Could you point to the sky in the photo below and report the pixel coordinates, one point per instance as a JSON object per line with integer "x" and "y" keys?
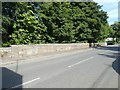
{"x": 111, "y": 7}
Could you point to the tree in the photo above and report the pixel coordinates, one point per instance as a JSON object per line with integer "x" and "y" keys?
{"x": 27, "y": 28}
{"x": 58, "y": 21}
{"x": 116, "y": 31}
{"x": 89, "y": 21}
{"x": 21, "y": 25}
{"x": 8, "y": 17}
{"x": 54, "y": 22}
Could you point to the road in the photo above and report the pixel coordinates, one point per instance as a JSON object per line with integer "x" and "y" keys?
{"x": 91, "y": 68}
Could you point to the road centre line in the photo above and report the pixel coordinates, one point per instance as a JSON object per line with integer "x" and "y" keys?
{"x": 80, "y": 62}
{"x": 25, "y": 83}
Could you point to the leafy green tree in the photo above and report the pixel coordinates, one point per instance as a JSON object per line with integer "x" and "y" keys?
{"x": 105, "y": 32}
{"x": 116, "y": 31}
{"x": 89, "y": 19}
{"x": 54, "y": 22}
{"x": 58, "y": 21}
{"x": 8, "y": 17}
{"x": 27, "y": 29}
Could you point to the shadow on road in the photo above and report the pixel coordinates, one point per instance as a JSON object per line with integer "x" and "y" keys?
{"x": 116, "y": 65}
{"x": 116, "y": 56}
{"x": 112, "y": 48}
{"x": 10, "y": 79}
{"x": 110, "y": 55}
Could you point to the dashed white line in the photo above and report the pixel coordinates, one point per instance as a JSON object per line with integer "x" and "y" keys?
{"x": 80, "y": 62}
{"x": 25, "y": 83}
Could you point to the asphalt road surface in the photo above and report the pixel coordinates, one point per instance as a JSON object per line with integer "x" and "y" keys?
{"x": 90, "y": 68}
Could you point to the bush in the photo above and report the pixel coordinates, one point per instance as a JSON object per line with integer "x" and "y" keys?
{"x": 7, "y": 44}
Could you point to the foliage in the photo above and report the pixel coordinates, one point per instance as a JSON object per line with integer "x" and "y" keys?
{"x": 6, "y": 44}
{"x": 54, "y": 22}
{"x": 26, "y": 28}
{"x": 116, "y": 31}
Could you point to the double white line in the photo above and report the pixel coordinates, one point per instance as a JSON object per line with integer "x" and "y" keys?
{"x": 80, "y": 62}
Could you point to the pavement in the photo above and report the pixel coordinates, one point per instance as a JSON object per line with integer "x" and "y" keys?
{"x": 91, "y": 68}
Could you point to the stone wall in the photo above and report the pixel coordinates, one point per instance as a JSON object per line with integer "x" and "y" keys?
{"x": 22, "y": 51}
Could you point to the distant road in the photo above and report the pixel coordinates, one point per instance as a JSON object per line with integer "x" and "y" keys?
{"x": 93, "y": 68}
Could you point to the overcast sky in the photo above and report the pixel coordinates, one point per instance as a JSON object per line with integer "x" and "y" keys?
{"x": 111, "y": 7}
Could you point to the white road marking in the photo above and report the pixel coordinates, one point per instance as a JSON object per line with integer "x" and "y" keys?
{"x": 25, "y": 83}
{"x": 80, "y": 62}
{"x": 103, "y": 53}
